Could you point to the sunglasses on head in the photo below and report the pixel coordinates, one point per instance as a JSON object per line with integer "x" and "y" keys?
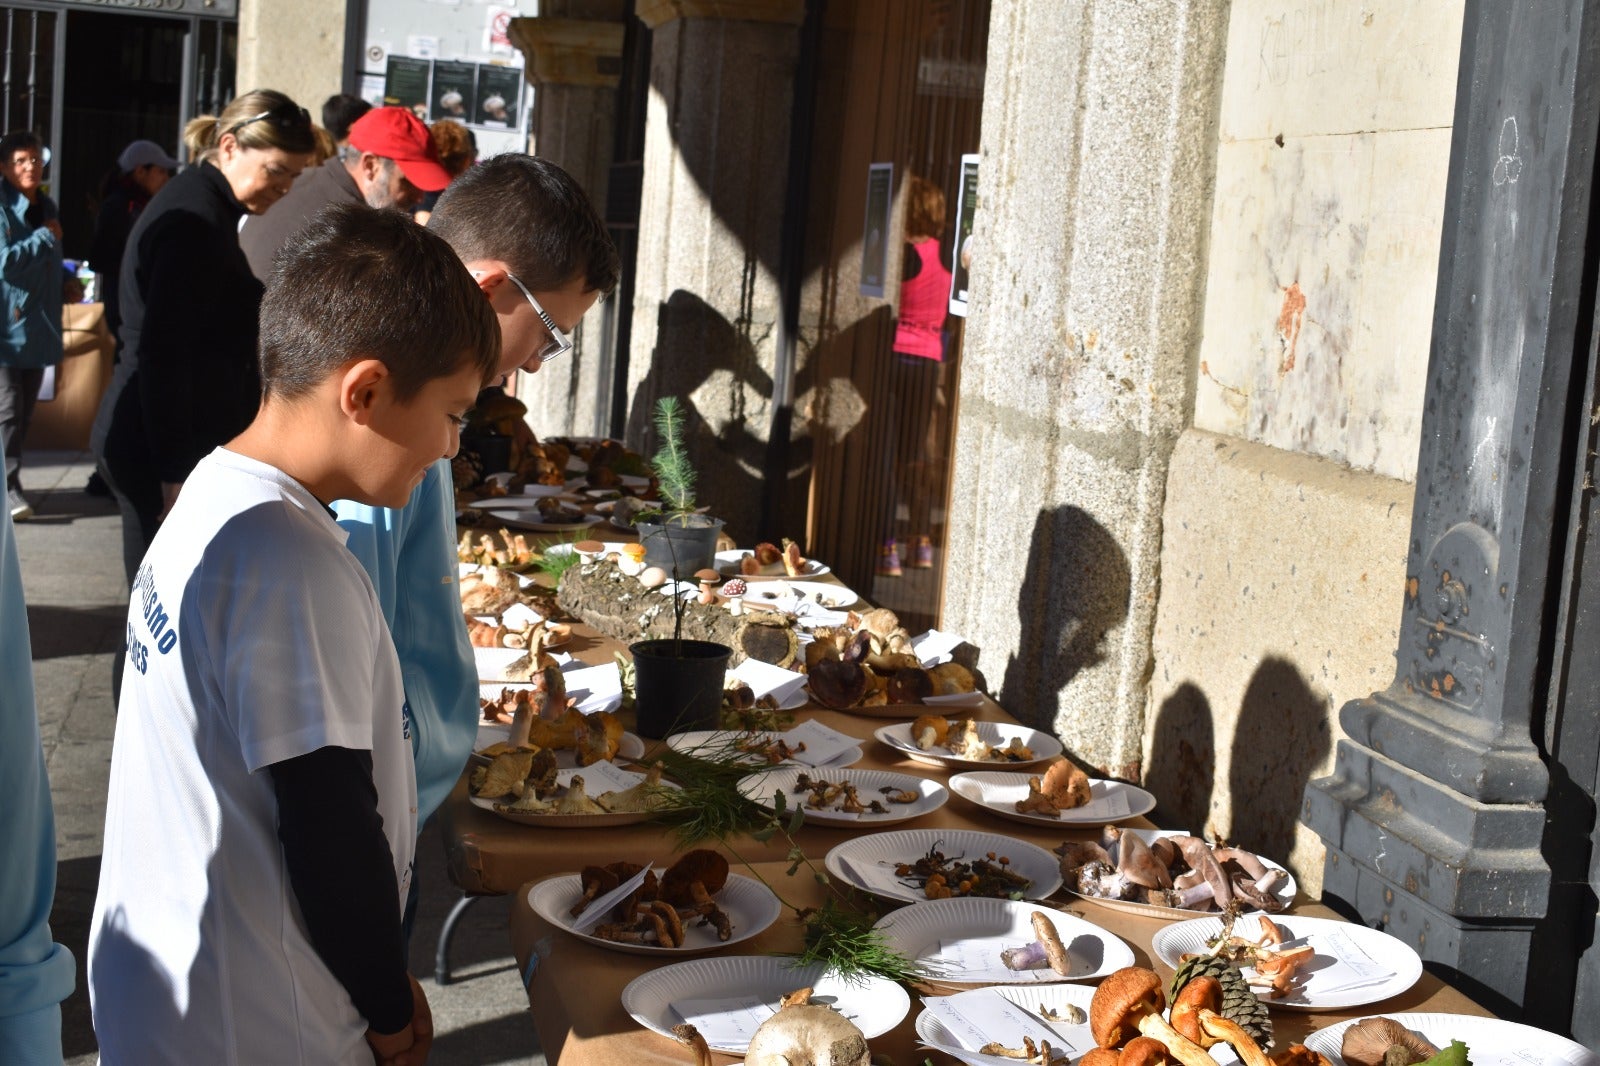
{"x": 286, "y": 116}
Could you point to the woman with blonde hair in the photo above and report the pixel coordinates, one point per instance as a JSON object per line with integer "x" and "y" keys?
{"x": 187, "y": 381}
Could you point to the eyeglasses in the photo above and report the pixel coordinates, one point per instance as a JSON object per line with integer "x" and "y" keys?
{"x": 559, "y": 343}
{"x": 286, "y": 116}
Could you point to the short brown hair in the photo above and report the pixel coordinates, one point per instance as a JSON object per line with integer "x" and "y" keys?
{"x": 362, "y": 283}
{"x": 457, "y": 147}
{"x": 531, "y": 215}
{"x": 924, "y": 208}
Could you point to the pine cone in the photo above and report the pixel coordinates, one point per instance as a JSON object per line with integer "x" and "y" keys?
{"x": 1239, "y": 1003}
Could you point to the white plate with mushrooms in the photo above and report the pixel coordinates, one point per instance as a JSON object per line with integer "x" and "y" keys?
{"x": 783, "y": 594}
{"x": 761, "y": 747}
{"x": 1000, "y": 942}
{"x": 997, "y": 737}
{"x": 731, "y": 563}
{"x": 962, "y": 1024}
{"x": 1119, "y": 888}
{"x": 850, "y": 798}
{"x": 1350, "y": 965}
{"x": 887, "y": 864}
{"x": 1490, "y": 1041}
{"x": 752, "y": 985}
{"x": 999, "y": 792}
{"x": 750, "y": 906}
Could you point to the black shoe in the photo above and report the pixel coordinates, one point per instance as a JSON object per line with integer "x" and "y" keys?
{"x": 97, "y": 486}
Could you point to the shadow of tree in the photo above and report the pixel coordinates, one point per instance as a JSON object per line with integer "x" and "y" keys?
{"x": 1183, "y": 760}
{"x": 1282, "y": 737}
{"x": 1078, "y": 589}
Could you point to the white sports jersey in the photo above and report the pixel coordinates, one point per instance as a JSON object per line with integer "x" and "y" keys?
{"x": 253, "y": 637}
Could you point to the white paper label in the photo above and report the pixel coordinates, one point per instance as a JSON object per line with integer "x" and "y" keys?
{"x": 977, "y": 960}
{"x": 988, "y": 1017}
{"x": 725, "y": 1022}
{"x": 597, "y": 909}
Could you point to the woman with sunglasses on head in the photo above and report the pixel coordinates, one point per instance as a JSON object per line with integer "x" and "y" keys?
{"x": 187, "y": 381}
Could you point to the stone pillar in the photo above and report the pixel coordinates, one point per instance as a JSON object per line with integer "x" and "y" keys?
{"x": 707, "y": 301}
{"x": 1094, "y": 195}
{"x": 294, "y": 46}
{"x": 574, "y": 61}
{"x": 1434, "y": 814}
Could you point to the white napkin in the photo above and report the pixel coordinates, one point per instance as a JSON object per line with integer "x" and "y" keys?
{"x": 823, "y": 745}
{"x": 596, "y": 688}
{"x": 596, "y": 911}
{"x": 765, "y": 679}
{"x": 934, "y": 647}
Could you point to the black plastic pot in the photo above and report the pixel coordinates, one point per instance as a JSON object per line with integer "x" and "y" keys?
{"x": 680, "y": 546}
{"x": 678, "y": 685}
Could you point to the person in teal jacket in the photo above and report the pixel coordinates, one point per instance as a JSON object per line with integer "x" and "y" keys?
{"x": 30, "y": 295}
{"x": 36, "y": 973}
{"x": 542, "y": 256}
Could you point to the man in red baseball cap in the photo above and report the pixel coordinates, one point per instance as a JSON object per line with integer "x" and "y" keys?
{"x": 389, "y": 162}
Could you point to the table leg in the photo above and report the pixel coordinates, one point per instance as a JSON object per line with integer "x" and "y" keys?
{"x": 441, "y": 957}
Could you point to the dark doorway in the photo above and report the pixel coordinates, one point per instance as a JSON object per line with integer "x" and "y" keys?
{"x": 123, "y": 81}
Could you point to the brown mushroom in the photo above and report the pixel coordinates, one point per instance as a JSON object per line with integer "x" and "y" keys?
{"x": 702, "y": 866}
{"x": 1197, "y": 853}
{"x": 1066, "y": 785}
{"x": 671, "y": 925}
{"x": 1198, "y": 993}
{"x": 595, "y": 881}
{"x": 1368, "y": 1042}
{"x": 838, "y": 684}
{"x": 1299, "y": 1055}
{"x": 930, "y": 730}
{"x": 1036, "y": 802}
{"x": 688, "y": 1034}
{"x": 1138, "y": 864}
{"x": 709, "y": 580}
{"x": 1217, "y": 1030}
{"x": 767, "y": 553}
{"x": 1145, "y": 1051}
{"x": 910, "y": 685}
{"x": 1128, "y": 1003}
{"x": 1101, "y": 1056}
{"x": 1046, "y": 950}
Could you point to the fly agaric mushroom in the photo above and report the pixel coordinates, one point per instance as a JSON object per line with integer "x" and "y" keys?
{"x": 1046, "y": 950}
{"x": 1129, "y": 1002}
{"x": 1368, "y": 1043}
{"x": 803, "y": 1033}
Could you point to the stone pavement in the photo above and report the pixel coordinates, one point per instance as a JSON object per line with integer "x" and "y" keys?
{"x": 72, "y": 573}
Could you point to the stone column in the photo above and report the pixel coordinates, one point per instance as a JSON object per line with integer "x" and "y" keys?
{"x": 716, "y": 164}
{"x": 294, "y": 46}
{"x": 1434, "y": 814}
{"x": 573, "y": 59}
{"x": 1093, "y": 202}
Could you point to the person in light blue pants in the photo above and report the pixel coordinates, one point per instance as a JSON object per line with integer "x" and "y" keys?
{"x": 36, "y": 973}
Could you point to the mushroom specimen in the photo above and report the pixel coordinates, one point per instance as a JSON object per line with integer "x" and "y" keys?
{"x": 803, "y": 1033}
{"x": 1370, "y": 1042}
{"x": 1046, "y": 950}
{"x": 1299, "y": 1055}
{"x": 692, "y": 881}
{"x": 709, "y": 579}
{"x": 1066, "y": 785}
{"x": 1128, "y": 1003}
{"x": 838, "y": 684}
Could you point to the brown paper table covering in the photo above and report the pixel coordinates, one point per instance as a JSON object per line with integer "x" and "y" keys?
{"x": 576, "y": 987}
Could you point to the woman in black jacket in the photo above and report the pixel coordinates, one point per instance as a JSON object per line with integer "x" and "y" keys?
{"x": 187, "y": 381}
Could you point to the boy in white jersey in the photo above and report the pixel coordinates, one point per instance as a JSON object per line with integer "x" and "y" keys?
{"x": 262, "y": 812}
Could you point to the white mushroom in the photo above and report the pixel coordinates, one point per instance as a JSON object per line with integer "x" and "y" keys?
{"x": 803, "y": 1033}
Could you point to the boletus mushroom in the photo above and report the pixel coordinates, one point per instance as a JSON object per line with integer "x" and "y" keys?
{"x": 1128, "y": 1003}
{"x": 803, "y": 1033}
{"x": 1371, "y": 1041}
{"x": 838, "y": 684}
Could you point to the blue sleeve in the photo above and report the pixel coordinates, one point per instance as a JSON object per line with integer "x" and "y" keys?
{"x": 36, "y": 973}
{"x": 410, "y": 554}
{"x": 26, "y": 260}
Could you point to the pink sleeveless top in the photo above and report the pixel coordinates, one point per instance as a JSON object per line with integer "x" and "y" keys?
{"x": 924, "y": 301}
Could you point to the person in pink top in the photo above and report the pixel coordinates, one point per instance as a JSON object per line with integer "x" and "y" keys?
{"x": 919, "y": 353}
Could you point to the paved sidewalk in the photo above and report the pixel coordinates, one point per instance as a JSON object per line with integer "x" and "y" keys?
{"x": 72, "y": 572}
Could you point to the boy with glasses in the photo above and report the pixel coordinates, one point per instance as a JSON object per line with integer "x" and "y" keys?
{"x": 541, "y": 255}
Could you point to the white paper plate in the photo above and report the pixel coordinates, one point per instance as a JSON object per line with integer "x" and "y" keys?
{"x": 997, "y": 791}
{"x": 1490, "y": 1041}
{"x": 1284, "y": 892}
{"x": 867, "y": 862}
{"x": 526, "y": 520}
{"x": 1023, "y": 1001}
{"x": 782, "y": 594}
{"x": 874, "y": 1004}
{"x": 996, "y": 734}
{"x": 990, "y": 926}
{"x": 1172, "y": 942}
{"x": 931, "y": 795}
{"x": 570, "y": 821}
{"x": 718, "y": 741}
{"x": 750, "y": 906}
{"x": 493, "y": 663}
{"x": 729, "y": 564}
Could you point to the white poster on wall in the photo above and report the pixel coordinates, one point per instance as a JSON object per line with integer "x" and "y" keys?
{"x": 497, "y": 29}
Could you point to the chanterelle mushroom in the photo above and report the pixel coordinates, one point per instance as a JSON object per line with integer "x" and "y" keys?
{"x": 803, "y": 1033}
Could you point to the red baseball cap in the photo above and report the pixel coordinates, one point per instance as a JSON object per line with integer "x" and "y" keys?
{"x": 395, "y": 133}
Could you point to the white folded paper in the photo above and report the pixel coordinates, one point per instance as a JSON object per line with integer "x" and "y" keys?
{"x": 725, "y": 1021}
{"x": 934, "y": 647}
{"x": 765, "y": 679}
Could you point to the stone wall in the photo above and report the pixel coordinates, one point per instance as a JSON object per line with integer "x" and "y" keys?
{"x": 1094, "y": 195}
{"x": 294, "y": 46}
{"x": 1282, "y": 559}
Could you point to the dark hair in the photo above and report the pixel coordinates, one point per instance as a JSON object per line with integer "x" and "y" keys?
{"x": 17, "y": 140}
{"x": 260, "y": 118}
{"x": 363, "y": 283}
{"x": 339, "y": 111}
{"x": 531, "y": 215}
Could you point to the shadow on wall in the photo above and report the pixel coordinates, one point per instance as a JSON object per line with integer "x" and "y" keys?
{"x": 1183, "y": 760}
{"x": 1075, "y": 590}
{"x": 694, "y": 343}
{"x": 1282, "y": 738}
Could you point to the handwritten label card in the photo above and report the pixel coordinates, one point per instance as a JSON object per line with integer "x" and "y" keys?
{"x": 1108, "y": 801}
{"x": 879, "y": 877}
{"x": 985, "y": 1016}
{"x": 603, "y": 776}
{"x": 725, "y": 1022}
{"x": 823, "y": 745}
{"x": 1351, "y": 966}
{"x": 977, "y": 959}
